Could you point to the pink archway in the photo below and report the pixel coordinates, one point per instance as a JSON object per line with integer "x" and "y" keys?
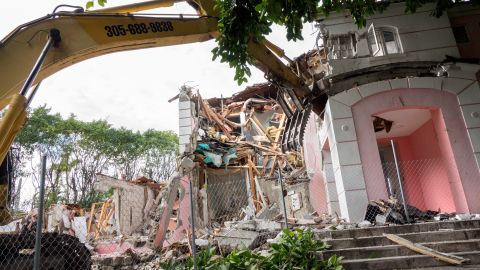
{"x": 463, "y": 178}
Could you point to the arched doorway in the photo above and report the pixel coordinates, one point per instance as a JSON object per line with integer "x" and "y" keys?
{"x": 433, "y": 134}
{"x": 411, "y": 141}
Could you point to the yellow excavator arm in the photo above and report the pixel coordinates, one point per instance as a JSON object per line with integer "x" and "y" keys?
{"x": 40, "y": 48}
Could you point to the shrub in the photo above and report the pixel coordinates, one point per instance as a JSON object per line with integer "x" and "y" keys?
{"x": 295, "y": 250}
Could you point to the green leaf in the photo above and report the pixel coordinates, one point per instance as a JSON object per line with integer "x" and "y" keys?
{"x": 89, "y": 5}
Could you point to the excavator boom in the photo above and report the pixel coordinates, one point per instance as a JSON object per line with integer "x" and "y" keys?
{"x": 84, "y": 36}
{"x": 38, "y": 49}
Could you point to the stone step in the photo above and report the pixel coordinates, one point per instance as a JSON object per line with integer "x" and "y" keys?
{"x": 398, "y": 250}
{"x": 467, "y": 266}
{"x": 407, "y": 262}
{"x": 421, "y": 237}
{"x": 399, "y": 229}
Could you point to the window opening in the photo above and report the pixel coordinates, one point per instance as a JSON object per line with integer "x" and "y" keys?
{"x": 460, "y": 34}
{"x": 342, "y": 46}
{"x": 383, "y": 40}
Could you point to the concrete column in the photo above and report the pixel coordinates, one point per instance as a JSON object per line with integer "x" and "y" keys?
{"x": 469, "y": 101}
{"x": 333, "y": 205}
{"x": 346, "y": 163}
{"x": 186, "y": 115}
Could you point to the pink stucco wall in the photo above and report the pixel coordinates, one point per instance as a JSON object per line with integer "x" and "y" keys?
{"x": 452, "y": 138}
{"x": 405, "y": 155}
{"x": 184, "y": 216}
{"x": 462, "y": 175}
{"x": 313, "y": 162}
{"x": 425, "y": 174}
{"x": 119, "y": 248}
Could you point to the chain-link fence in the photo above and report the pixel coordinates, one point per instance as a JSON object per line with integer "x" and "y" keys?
{"x": 234, "y": 207}
{"x": 114, "y": 232}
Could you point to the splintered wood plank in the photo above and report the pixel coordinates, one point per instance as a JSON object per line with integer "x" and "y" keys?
{"x": 280, "y": 128}
{"x": 261, "y": 147}
{"x": 449, "y": 258}
{"x": 92, "y": 213}
{"x": 260, "y": 128}
{"x": 252, "y": 165}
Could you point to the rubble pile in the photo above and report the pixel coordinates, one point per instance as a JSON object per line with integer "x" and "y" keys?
{"x": 238, "y": 159}
{"x": 391, "y": 211}
{"x": 244, "y": 132}
{"x": 118, "y": 231}
{"x": 240, "y": 133}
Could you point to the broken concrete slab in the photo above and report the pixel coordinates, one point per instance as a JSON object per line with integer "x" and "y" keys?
{"x": 365, "y": 224}
{"x": 268, "y": 225}
{"x": 250, "y": 225}
{"x": 237, "y": 239}
{"x": 202, "y": 242}
{"x": 268, "y": 212}
{"x": 254, "y": 225}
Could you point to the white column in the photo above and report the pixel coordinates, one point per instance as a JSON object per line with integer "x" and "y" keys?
{"x": 333, "y": 205}
{"x": 186, "y": 116}
{"x": 346, "y": 163}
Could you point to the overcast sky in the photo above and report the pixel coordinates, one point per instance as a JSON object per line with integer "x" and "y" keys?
{"x": 131, "y": 88}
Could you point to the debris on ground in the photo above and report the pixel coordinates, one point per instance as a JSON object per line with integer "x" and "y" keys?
{"x": 391, "y": 211}
{"x": 235, "y": 161}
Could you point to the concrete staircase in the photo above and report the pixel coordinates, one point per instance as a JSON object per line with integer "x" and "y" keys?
{"x": 369, "y": 249}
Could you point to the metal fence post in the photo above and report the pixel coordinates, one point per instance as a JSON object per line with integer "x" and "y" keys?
{"x": 400, "y": 181}
{"x": 192, "y": 218}
{"x": 38, "y": 235}
{"x": 280, "y": 180}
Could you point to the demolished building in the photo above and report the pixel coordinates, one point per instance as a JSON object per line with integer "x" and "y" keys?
{"x": 383, "y": 92}
{"x": 242, "y": 183}
{"x": 237, "y": 144}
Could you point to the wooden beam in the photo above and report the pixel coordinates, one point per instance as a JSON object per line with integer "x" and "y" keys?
{"x": 251, "y": 165}
{"x": 261, "y": 147}
{"x": 92, "y": 213}
{"x": 280, "y": 128}
{"x": 259, "y": 126}
{"x": 102, "y": 213}
{"x": 214, "y": 116}
{"x": 452, "y": 259}
{"x": 260, "y": 192}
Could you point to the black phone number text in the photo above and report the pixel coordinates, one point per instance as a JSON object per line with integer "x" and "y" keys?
{"x": 138, "y": 28}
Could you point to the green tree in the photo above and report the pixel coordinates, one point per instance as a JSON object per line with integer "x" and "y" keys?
{"x": 89, "y": 155}
{"x": 126, "y": 148}
{"x": 77, "y": 150}
{"x": 159, "y": 155}
{"x": 42, "y": 136}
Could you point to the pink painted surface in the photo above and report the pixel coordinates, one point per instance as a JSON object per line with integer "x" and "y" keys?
{"x": 120, "y": 248}
{"x": 425, "y": 172}
{"x": 184, "y": 215}
{"x": 405, "y": 153}
{"x": 452, "y": 139}
{"x": 313, "y": 162}
{"x": 462, "y": 157}
{"x": 433, "y": 174}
